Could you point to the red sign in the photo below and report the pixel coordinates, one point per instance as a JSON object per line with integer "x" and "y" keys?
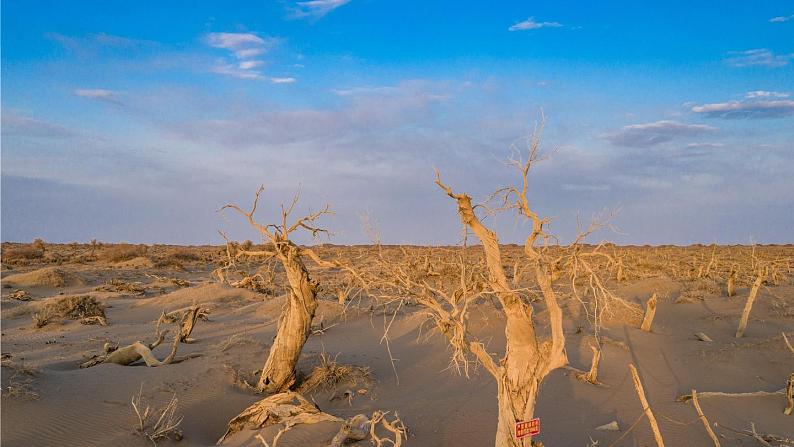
{"x": 528, "y": 428}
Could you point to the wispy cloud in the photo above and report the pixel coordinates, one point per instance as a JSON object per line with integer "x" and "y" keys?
{"x": 244, "y": 47}
{"x": 759, "y": 57}
{"x": 315, "y": 9}
{"x": 651, "y": 134}
{"x": 704, "y": 145}
{"x": 780, "y": 19}
{"x": 15, "y": 123}
{"x": 752, "y": 108}
{"x": 766, "y": 94}
{"x": 99, "y": 94}
{"x": 530, "y": 23}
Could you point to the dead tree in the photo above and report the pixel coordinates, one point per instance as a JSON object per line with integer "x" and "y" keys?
{"x": 295, "y": 322}
{"x": 528, "y": 356}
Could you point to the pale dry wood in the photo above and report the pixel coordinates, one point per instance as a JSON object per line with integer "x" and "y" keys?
{"x": 657, "y": 435}
{"x": 748, "y": 306}
{"x": 294, "y": 326}
{"x": 788, "y": 344}
{"x": 288, "y": 408}
{"x": 789, "y": 395}
{"x": 731, "y": 286}
{"x": 703, "y": 419}
{"x": 650, "y": 312}
{"x": 710, "y": 394}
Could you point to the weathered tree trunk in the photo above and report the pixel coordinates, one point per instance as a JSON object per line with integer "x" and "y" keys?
{"x": 527, "y": 359}
{"x": 294, "y": 324}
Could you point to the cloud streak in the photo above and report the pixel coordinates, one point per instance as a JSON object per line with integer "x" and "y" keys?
{"x": 15, "y": 123}
{"x": 530, "y": 24}
{"x": 651, "y": 134}
{"x": 781, "y": 19}
{"x": 315, "y": 9}
{"x": 244, "y": 47}
{"x": 99, "y": 94}
{"x": 756, "y": 109}
{"x": 759, "y": 57}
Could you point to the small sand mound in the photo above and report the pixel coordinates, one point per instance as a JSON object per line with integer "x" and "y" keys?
{"x": 46, "y": 277}
{"x": 208, "y": 294}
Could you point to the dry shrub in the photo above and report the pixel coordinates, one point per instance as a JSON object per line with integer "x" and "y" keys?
{"x": 122, "y": 252}
{"x": 80, "y": 307}
{"x": 20, "y": 383}
{"x": 156, "y": 425}
{"x": 23, "y": 254}
{"x": 329, "y": 374}
{"x": 184, "y": 254}
{"x": 117, "y": 285}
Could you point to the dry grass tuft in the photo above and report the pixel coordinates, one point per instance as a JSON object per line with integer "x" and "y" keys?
{"x": 156, "y": 425}
{"x": 19, "y": 385}
{"x": 329, "y": 374}
{"x": 80, "y": 307}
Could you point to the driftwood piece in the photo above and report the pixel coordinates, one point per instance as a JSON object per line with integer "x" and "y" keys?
{"x": 354, "y": 429}
{"x": 789, "y": 395}
{"x": 703, "y": 337}
{"x": 709, "y": 394}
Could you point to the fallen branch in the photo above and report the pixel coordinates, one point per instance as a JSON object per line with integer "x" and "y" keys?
{"x": 705, "y": 421}
{"x": 657, "y": 435}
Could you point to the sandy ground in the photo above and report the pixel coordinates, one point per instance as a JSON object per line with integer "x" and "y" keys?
{"x": 58, "y": 403}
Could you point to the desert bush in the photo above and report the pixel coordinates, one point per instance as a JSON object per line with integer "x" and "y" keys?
{"x": 22, "y": 254}
{"x": 183, "y": 254}
{"x": 81, "y": 307}
{"x": 122, "y": 252}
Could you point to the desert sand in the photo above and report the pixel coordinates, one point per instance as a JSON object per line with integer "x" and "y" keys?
{"x": 49, "y": 400}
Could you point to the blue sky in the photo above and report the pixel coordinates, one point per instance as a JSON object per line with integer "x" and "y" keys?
{"x": 136, "y": 121}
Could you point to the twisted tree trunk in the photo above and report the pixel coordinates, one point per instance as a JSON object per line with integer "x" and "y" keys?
{"x": 294, "y": 325}
{"x": 527, "y": 359}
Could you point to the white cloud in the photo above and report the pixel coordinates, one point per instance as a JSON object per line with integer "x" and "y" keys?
{"x": 765, "y": 94}
{"x": 759, "y": 57}
{"x": 98, "y": 94}
{"x": 243, "y": 47}
{"x": 247, "y": 65}
{"x": 747, "y": 109}
{"x": 781, "y": 19}
{"x": 233, "y": 41}
{"x": 315, "y": 8}
{"x": 249, "y": 53}
{"x": 651, "y": 134}
{"x": 530, "y": 23}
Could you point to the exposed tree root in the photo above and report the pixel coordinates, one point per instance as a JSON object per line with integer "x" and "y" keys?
{"x": 288, "y": 408}
{"x": 136, "y": 351}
